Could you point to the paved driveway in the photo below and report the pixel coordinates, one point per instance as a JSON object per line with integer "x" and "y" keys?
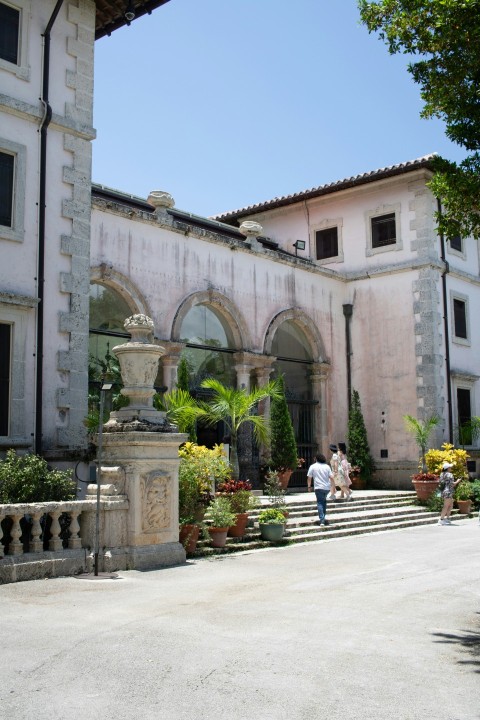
{"x": 380, "y": 626}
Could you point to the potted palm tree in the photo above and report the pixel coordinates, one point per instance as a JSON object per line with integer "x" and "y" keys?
{"x": 425, "y": 482}
{"x": 235, "y": 407}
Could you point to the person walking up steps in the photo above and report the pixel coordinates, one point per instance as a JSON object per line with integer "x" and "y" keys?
{"x": 334, "y": 466}
{"x": 321, "y": 474}
{"x": 344, "y": 473}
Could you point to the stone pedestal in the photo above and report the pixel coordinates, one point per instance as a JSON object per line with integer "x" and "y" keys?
{"x": 149, "y": 461}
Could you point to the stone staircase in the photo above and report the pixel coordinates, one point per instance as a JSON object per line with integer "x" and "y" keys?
{"x": 368, "y": 512}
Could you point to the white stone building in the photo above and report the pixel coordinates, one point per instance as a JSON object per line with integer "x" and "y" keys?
{"x": 341, "y": 287}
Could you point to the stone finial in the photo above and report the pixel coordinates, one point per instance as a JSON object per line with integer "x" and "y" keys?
{"x": 140, "y": 327}
{"x": 161, "y": 200}
{"x": 251, "y": 229}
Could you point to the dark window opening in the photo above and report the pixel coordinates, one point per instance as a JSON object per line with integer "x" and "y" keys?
{"x": 460, "y": 318}
{"x": 464, "y": 412}
{"x": 383, "y": 230}
{"x": 327, "y": 243}
{"x": 456, "y": 243}
{"x": 5, "y": 362}
{"x": 7, "y": 164}
{"x": 9, "y": 33}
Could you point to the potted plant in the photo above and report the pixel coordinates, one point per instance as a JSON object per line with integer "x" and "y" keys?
{"x": 425, "y": 481}
{"x": 359, "y": 456}
{"x": 219, "y": 517}
{"x": 274, "y": 490}
{"x": 463, "y": 496}
{"x": 239, "y": 492}
{"x": 198, "y": 465}
{"x": 283, "y": 446}
{"x": 272, "y": 524}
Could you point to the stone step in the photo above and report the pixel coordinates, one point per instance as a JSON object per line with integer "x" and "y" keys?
{"x": 253, "y": 541}
{"x": 375, "y": 512}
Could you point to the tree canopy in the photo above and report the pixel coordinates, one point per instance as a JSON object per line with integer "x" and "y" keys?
{"x": 445, "y": 36}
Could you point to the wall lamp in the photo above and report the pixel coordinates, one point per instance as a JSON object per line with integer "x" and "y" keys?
{"x": 299, "y": 245}
{"x": 129, "y": 12}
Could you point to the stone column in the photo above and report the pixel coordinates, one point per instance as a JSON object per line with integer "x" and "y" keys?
{"x": 244, "y": 364}
{"x": 170, "y": 361}
{"x": 319, "y": 375}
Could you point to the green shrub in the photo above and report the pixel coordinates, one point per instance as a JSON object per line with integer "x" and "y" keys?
{"x": 283, "y": 446}
{"x": 476, "y": 494}
{"x": 271, "y": 516}
{"x": 27, "y": 479}
{"x": 357, "y": 442}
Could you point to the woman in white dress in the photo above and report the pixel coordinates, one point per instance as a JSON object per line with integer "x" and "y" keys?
{"x": 343, "y": 478}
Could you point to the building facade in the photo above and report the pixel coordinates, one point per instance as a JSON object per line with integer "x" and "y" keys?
{"x": 345, "y": 286}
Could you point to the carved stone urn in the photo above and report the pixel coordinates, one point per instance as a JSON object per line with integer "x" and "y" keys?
{"x": 138, "y": 360}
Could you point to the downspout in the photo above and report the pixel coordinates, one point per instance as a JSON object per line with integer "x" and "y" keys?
{"x": 47, "y": 116}
{"x": 445, "y": 327}
{"x": 348, "y": 311}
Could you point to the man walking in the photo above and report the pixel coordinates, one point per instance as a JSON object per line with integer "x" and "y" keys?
{"x": 321, "y": 474}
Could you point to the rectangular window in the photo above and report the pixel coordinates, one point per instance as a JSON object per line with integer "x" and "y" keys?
{"x": 9, "y": 33}
{"x": 464, "y": 413}
{"x": 7, "y": 167}
{"x": 326, "y": 243}
{"x": 460, "y": 318}
{"x": 5, "y": 361}
{"x": 383, "y": 230}
{"x": 456, "y": 243}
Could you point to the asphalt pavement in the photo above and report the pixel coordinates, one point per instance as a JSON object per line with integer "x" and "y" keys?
{"x": 381, "y": 626}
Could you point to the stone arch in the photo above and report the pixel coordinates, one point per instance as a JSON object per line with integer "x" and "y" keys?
{"x": 224, "y": 307}
{"x": 121, "y": 284}
{"x": 305, "y": 323}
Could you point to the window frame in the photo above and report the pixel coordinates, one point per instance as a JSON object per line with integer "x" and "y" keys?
{"x": 15, "y": 311}
{"x": 21, "y": 68}
{"x": 371, "y": 215}
{"x": 327, "y": 224}
{"x": 464, "y": 381}
{"x": 456, "y": 296}
{"x": 16, "y": 231}
{"x": 9, "y": 364}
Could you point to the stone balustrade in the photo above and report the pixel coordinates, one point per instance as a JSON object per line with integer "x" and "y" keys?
{"x": 57, "y": 538}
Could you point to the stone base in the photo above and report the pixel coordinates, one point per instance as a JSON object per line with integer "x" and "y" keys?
{"x": 150, "y": 557}
{"x": 36, "y": 566}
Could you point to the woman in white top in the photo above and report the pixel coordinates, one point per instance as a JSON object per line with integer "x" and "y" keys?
{"x": 334, "y": 466}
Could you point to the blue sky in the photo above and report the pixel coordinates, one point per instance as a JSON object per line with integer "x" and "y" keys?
{"x": 225, "y": 103}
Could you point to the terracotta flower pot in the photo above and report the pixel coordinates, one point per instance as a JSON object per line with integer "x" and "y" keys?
{"x": 218, "y": 536}
{"x": 425, "y": 488}
{"x": 464, "y": 506}
{"x": 284, "y": 478}
{"x": 189, "y": 537}
{"x": 358, "y": 482}
{"x": 238, "y": 530}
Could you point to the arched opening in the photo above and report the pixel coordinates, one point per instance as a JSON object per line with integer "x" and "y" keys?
{"x": 209, "y": 350}
{"x": 293, "y": 351}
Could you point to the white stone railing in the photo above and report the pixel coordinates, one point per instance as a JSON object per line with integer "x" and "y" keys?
{"x": 31, "y": 534}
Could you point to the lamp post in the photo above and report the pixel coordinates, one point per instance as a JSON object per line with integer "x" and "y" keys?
{"x": 105, "y": 386}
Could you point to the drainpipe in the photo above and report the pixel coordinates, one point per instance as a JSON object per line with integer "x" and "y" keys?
{"x": 445, "y": 327}
{"x": 47, "y": 116}
{"x": 348, "y": 311}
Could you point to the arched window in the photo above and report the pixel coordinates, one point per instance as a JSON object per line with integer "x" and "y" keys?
{"x": 294, "y": 356}
{"x": 294, "y": 359}
{"x": 108, "y": 311}
{"x": 210, "y": 346}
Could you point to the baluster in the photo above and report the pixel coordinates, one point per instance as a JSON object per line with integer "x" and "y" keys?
{"x": 16, "y": 547}
{"x": 55, "y": 530}
{"x": 74, "y": 540}
{"x": 36, "y": 544}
